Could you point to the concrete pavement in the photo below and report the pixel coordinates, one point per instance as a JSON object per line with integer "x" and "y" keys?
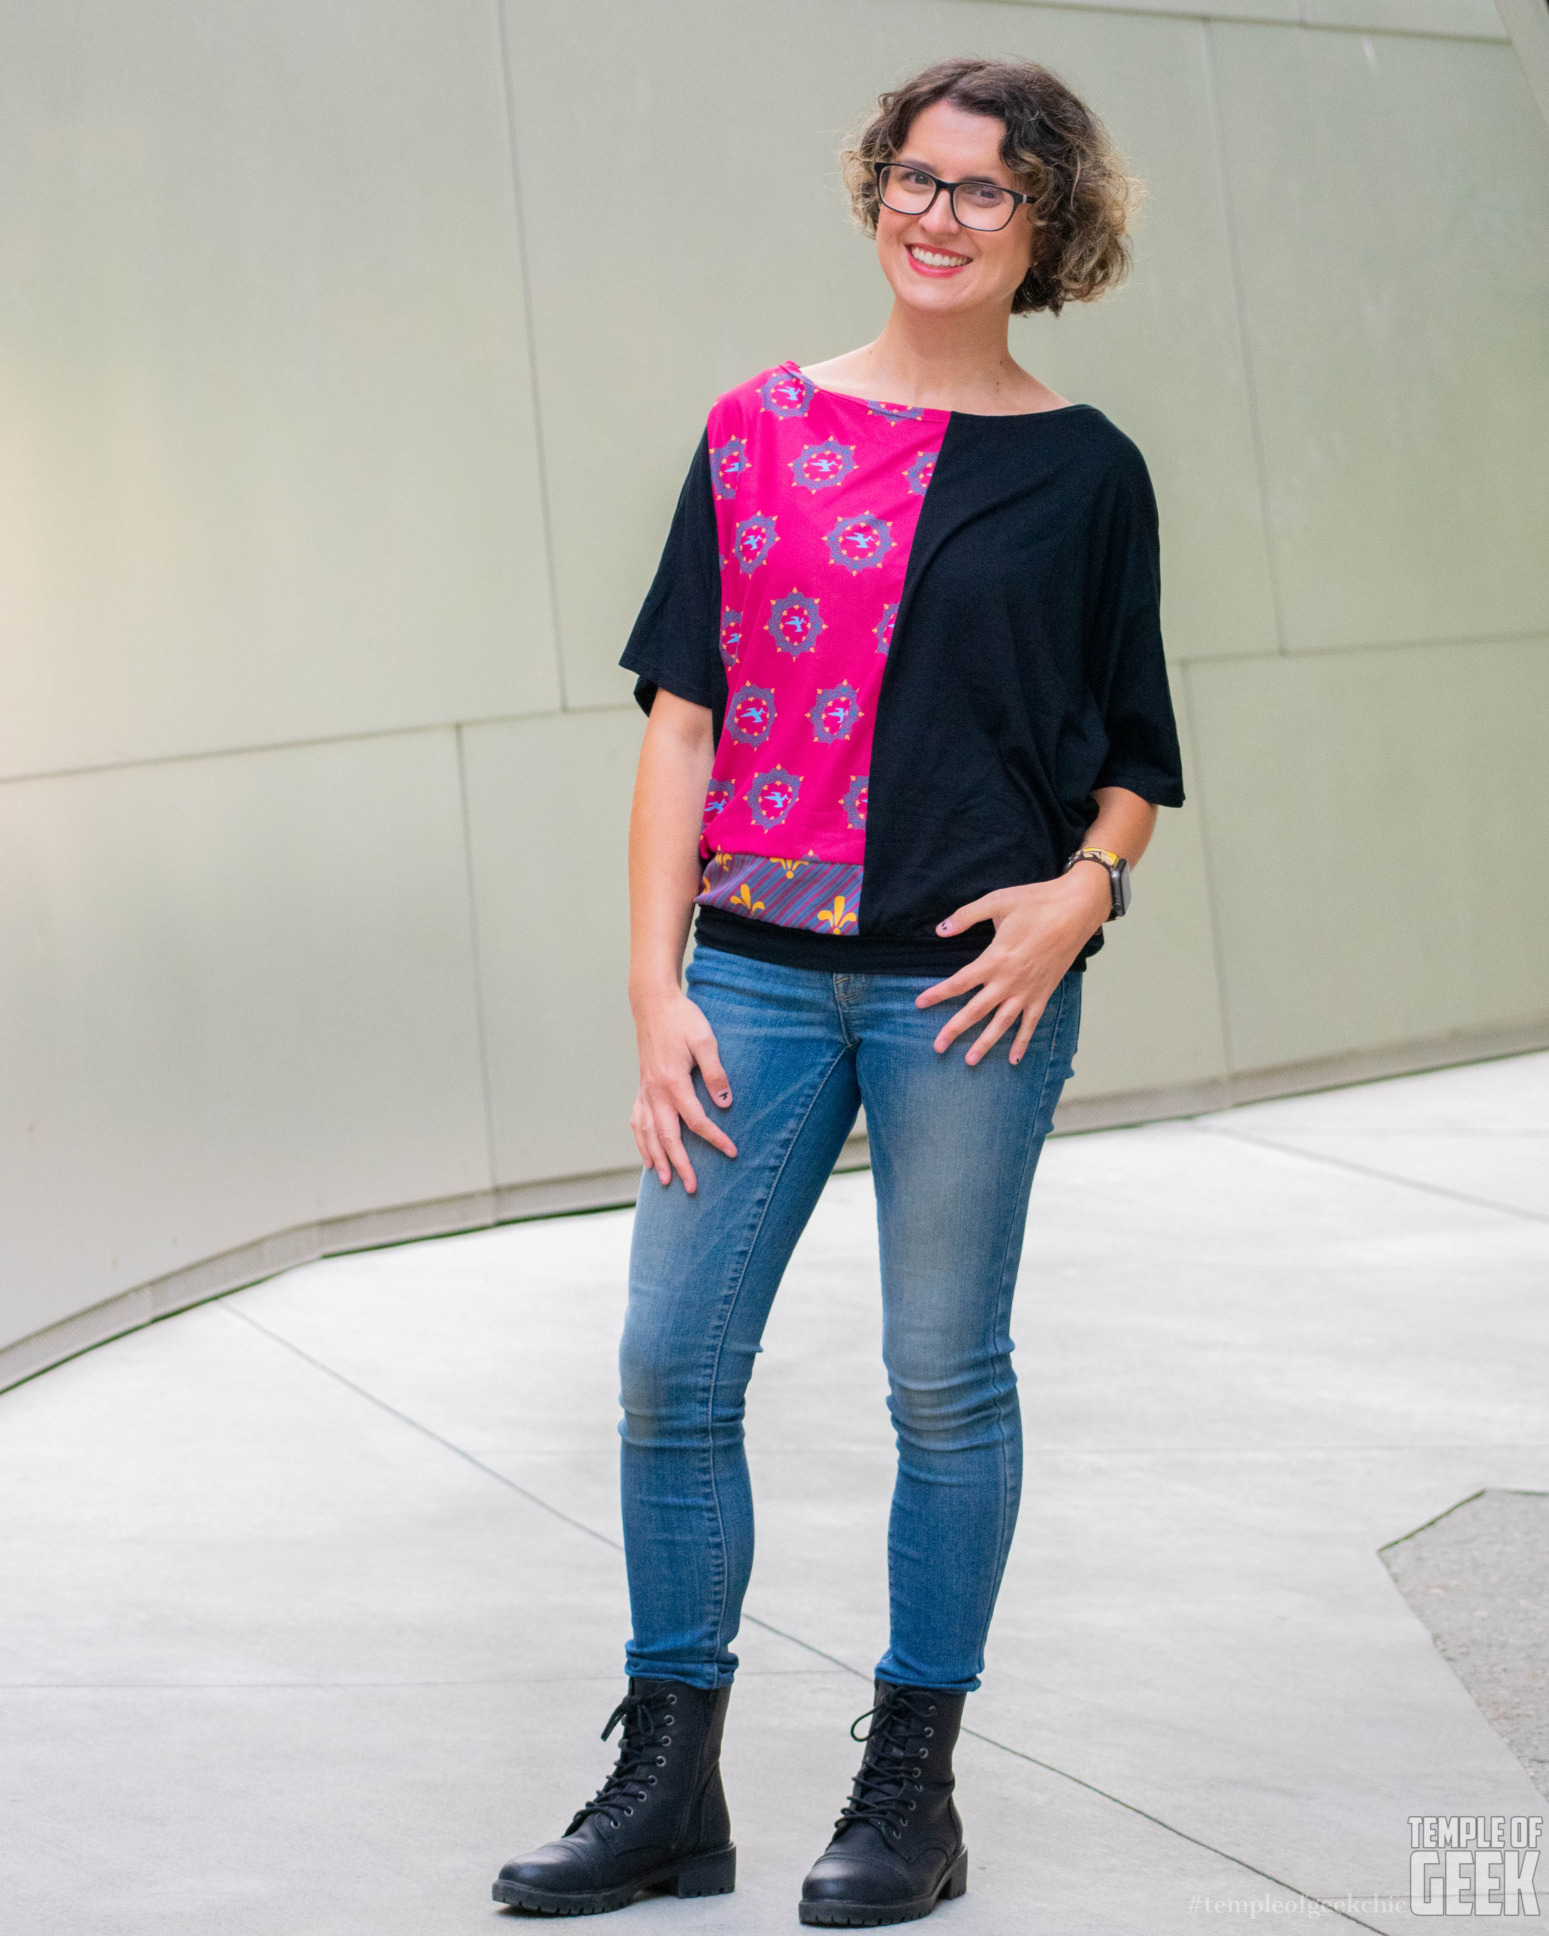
{"x": 313, "y": 1605}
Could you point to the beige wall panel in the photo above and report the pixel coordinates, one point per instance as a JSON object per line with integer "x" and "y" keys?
{"x": 1287, "y": 10}
{"x": 1472, "y": 19}
{"x": 268, "y": 469}
{"x": 236, "y": 994}
{"x": 1151, "y": 1007}
{"x": 724, "y": 245}
{"x": 1371, "y": 819}
{"x": 1396, "y": 280}
{"x": 548, "y": 810}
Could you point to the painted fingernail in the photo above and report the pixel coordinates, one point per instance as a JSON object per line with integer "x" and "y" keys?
{"x": 724, "y": 1097}
{"x": 943, "y": 927}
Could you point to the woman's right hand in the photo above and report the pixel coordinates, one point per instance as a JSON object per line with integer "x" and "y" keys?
{"x": 674, "y": 1037}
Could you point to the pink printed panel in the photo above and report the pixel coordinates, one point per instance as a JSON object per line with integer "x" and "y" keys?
{"x": 817, "y": 500}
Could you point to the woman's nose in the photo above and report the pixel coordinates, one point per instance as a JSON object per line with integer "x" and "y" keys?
{"x": 938, "y": 218}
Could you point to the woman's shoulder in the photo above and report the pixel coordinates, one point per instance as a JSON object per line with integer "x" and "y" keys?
{"x": 778, "y": 392}
{"x": 1099, "y": 446}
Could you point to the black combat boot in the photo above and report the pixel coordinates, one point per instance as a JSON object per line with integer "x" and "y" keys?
{"x": 898, "y": 1845}
{"x": 659, "y": 1818}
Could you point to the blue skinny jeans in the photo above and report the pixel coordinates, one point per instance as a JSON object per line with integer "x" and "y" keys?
{"x": 953, "y": 1150}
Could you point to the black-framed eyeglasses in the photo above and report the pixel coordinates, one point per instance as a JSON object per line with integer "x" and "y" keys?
{"x": 982, "y": 205}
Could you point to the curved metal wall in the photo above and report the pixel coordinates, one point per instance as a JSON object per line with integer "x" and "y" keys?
{"x": 350, "y": 361}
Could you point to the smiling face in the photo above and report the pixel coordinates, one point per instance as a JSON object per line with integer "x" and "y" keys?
{"x": 933, "y": 263}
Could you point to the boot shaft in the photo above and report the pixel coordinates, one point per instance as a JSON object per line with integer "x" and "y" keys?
{"x": 666, "y": 1787}
{"x": 918, "y": 1726}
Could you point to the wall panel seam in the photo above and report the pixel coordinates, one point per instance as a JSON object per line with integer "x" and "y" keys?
{"x": 479, "y": 1020}
{"x": 1292, "y": 17}
{"x": 539, "y": 451}
{"x": 1212, "y": 898}
{"x": 1244, "y": 345}
{"x": 1466, "y": 641}
{"x": 297, "y": 745}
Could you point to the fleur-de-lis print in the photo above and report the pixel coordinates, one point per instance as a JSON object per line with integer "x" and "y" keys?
{"x": 743, "y": 901}
{"x": 836, "y": 918}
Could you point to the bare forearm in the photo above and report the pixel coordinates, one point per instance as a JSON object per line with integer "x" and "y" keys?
{"x": 674, "y": 770}
{"x": 1124, "y": 823}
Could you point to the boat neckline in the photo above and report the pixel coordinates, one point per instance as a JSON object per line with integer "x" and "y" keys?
{"x": 931, "y": 410}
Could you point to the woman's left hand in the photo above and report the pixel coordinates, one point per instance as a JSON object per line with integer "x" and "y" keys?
{"x": 1039, "y": 931}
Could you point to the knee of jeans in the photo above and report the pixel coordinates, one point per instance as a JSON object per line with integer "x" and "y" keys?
{"x": 668, "y": 1389}
{"x": 952, "y": 1408}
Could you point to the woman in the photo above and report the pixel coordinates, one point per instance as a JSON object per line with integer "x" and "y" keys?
{"x": 909, "y": 729}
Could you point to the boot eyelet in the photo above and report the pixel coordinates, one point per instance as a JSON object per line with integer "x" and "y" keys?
{"x": 914, "y": 1804}
{"x": 650, "y": 1781}
{"x": 672, "y": 1700}
{"x": 667, "y": 1723}
{"x": 930, "y": 1731}
{"x": 925, "y": 1754}
{"x": 661, "y": 1761}
{"x": 629, "y": 1811}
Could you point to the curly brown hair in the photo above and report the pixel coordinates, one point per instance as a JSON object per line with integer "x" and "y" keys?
{"x": 1057, "y": 150}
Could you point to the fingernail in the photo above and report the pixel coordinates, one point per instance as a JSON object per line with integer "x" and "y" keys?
{"x": 724, "y": 1097}
{"x": 943, "y": 927}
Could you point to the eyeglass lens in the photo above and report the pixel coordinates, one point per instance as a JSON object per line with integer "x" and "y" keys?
{"x": 977, "y": 205}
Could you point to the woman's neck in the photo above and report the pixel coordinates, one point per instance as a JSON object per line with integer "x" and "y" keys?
{"x": 940, "y": 363}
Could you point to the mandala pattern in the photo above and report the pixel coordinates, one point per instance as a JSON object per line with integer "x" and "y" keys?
{"x": 794, "y": 623}
{"x": 821, "y": 466}
{"x": 727, "y": 463}
{"x": 751, "y": 541}
{"x": 805, "y": 480}
{"x": 786, "y": 393}
{"x": 717, "y": 795}
{"x": 750, "y": 715}
{"x": 920, "y": 472}
{"x": 834, "y": 713}
{"x": 858, "y": 542}
{"x": 772, "y": 795}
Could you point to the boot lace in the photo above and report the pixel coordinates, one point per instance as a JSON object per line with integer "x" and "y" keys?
{"x": 648, "y": 1722}
{"x": 897, "y": 1746}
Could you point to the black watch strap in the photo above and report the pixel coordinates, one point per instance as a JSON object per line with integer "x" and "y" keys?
{"x": 1116, "y": 867}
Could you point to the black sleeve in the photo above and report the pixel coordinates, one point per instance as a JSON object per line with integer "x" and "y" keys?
{"x": 676, "y": 639}
{"x": 1125, "y": 668}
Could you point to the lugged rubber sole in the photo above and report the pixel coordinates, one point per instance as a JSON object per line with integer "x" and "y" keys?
{"x": 870, "y": 1915}
{"x": 714, "y": 1874}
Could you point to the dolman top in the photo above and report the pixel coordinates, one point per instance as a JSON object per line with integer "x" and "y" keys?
{"x": 925, "y": 639}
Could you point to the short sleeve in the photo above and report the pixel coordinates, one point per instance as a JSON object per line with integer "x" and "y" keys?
{"x": 1125, "y": 667}
{"x": 675, "y": 641}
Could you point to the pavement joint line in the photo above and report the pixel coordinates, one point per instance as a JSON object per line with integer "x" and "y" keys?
{"x": 1520, "y": 1492}
{"x": 752, "y": 1620}
{"x": 1133, "y": 1808}
{"x": 1365, "y": 1169}
{"x": 415, "y": 1425}
{"x": 350, "y": 1687}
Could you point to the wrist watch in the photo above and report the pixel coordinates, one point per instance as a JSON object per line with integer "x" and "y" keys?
{"x": 1117, "y": 870}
